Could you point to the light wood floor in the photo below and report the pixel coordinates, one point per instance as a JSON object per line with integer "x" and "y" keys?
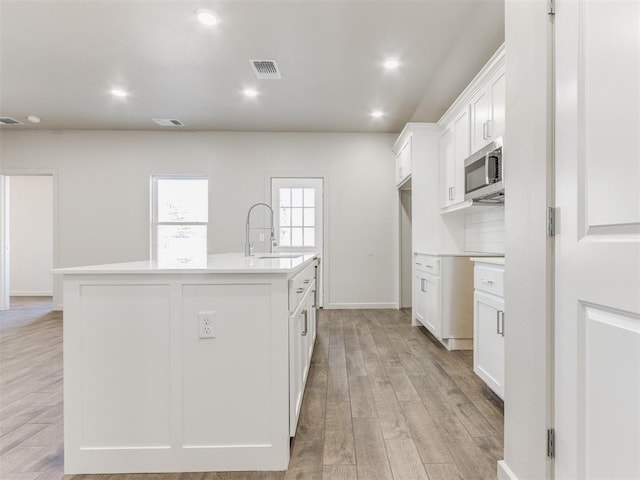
{"x": 383, "y": 401}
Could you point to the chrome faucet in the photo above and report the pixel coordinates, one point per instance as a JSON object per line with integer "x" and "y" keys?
{"x": 248, "y": 246}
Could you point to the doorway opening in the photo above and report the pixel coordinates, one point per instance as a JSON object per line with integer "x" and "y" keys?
{"x": 406, "y": 248}
{"x": 26, "y": 238}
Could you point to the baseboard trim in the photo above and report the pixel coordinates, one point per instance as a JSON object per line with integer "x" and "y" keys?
{"x": 361, "y": 306}
{"x": 504, "y": 472}
{"x": 31, "y": 294}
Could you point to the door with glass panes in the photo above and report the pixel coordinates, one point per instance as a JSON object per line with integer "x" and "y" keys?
{"x": 297, "y": 204}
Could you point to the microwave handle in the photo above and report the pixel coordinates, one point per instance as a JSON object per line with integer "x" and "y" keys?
{"x": 486, "y": 168}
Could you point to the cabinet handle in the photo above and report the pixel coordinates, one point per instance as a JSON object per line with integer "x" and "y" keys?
{"x": 423, "y": 284}
{"x": 450, "y": 193}
{"x": 306, "y": 321}
{"x": 489, "y": 129}
{"x": 418, "y": 263}
{"x": 307, "y": 282}
{"x": 488, "y": 282}
{"x": 500, "y": 322}
{"x": 484, "y": 131}
{"x": 315, "y": 299}
{"x": 429, "y": 266}
{"x": 300, "y": 290}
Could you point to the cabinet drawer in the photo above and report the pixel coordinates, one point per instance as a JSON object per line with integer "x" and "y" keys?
{"x": 489, "y": 279}
{"x": 428, "y": 263}
{"x": 299, "y": 284}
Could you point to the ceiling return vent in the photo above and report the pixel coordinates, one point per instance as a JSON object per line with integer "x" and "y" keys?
{"x": 265, "y": 69}
{"x": 168, "y": 122}
{"x": 9, "y": 121}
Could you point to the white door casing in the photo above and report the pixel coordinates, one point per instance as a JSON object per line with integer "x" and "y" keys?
{"x": 597, "y": 297}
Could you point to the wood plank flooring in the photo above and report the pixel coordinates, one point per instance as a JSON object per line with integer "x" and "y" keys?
{"x": 383, "y": 401}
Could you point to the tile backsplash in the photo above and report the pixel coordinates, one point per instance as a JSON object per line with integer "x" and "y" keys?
{"x": 484, "y": 230}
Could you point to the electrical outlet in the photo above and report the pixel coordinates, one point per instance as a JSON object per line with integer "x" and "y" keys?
{"x": 205, "y": 324}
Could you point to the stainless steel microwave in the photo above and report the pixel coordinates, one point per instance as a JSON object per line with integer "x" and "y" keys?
{"x": 483, "y": 181}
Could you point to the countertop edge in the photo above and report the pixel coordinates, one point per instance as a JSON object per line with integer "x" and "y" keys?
{"x": 123, "y": 270}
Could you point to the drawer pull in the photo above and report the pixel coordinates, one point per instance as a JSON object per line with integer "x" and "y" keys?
{"x": 306, "y": 323}
{"x": 418, "y": 263}
{"x": 429, "y": 266}
{"x": 307, "y": 282}
{"x": 300, "y": 290}
{"x": 488, "y": 282}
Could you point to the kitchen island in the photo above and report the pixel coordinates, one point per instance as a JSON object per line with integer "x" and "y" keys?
{"x": 186, "y": 367}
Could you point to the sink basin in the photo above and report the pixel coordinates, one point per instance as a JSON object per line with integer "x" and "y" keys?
{"x": 280, "y": 255}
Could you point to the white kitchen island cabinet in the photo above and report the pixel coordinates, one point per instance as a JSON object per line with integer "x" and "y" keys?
{"x": 185, "y": 368}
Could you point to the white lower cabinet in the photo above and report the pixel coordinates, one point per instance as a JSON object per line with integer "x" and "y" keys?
{"x": 302, "y": 335}
{"x": 488, "y": 326}
{"x": 443, "y": 287}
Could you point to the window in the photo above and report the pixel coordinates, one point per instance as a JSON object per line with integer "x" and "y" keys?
{"x": 299, "y": 212}
{"x": 180, "y": 214}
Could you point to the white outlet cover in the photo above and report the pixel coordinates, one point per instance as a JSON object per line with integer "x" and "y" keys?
{"x": 205, "y": 324}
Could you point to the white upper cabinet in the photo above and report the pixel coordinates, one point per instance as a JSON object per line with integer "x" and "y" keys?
{"x": 403, "y": 161}
{"x": 455, "y": 148}
{"x": 487, "y": 112}
{"x": 475, "y": 119}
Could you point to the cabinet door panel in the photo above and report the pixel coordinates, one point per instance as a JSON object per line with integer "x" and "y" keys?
{"x": 497, "y": 125}
{"x": 462, "y": 139}
{"x": 479, "y": 117}
{"x": 295, "y": 370}
{"x": 488, "y": 352}
{"x": 419, "y": 293}
{"x": 433, "y": 322}
{"x": 447, "y": 166}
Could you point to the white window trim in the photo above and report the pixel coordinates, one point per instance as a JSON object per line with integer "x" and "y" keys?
{"x": 153, "y": 211}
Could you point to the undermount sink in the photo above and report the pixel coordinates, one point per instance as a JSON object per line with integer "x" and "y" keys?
{"x": 280, "y": 255}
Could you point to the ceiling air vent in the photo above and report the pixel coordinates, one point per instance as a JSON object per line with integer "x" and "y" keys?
{"x": 168, "y": 122}
{"x": 9, "y": 121}
{"x": 265, "y": 69}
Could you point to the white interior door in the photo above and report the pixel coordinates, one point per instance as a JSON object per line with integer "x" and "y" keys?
{"x": 299, "y": 219}
{"x": 597, "y": 317}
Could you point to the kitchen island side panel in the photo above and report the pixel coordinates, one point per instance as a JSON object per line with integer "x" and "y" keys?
{"x": 143, "y": 393}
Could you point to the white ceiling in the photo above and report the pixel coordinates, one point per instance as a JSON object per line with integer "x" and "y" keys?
{"x": 59, "y": 60}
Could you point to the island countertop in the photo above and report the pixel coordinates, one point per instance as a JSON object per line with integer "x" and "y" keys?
{"x": 283, "y": 262}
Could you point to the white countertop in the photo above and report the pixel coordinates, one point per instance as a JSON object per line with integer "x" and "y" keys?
{"x": 492, "y": 260}
{"x": 460, "y": 254}
{"x": 220, "y": 263}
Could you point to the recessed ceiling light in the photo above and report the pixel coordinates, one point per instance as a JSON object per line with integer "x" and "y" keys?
{"x": 207, "y": 17}
{"x": 250, "y": 92}
{"x": 391, "y": 63}
{"x": 377, "y": 113}
{"x": 33, "y": 119}
{"x": 118, "y": 92}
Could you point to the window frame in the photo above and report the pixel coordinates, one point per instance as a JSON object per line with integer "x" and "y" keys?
{"x": 153, "y": 211}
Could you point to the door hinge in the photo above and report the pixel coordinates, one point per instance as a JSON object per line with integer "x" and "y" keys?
{"x": 551, "y": 7}
{"x": 551, "y": 443}
{"x": 551, "y": 221}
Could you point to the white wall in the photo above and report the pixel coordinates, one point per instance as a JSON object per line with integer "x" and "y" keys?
{"x": 528, "y": 141}
{"x": 103, "y": 194}
{"x": 31, "y": 235}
